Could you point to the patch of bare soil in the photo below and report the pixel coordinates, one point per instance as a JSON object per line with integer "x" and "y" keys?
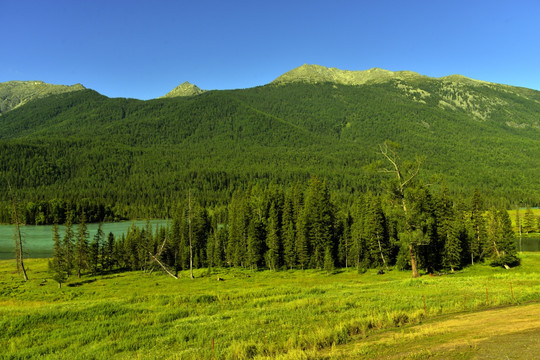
{"x": 502, "y": 333}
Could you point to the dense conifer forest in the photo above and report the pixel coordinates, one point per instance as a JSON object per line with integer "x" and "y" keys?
{"x": 302, "y": 227}
{"x": 125, "y": 158}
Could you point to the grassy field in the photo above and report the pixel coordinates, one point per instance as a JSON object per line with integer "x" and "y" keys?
{"x": 284, "y": 315}
{"x": 512, "y": 213}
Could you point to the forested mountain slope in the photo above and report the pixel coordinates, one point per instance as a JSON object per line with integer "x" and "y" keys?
{"x": 140, "y": 155}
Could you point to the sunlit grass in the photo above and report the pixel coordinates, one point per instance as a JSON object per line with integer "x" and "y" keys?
{"x": 288, "y": 314}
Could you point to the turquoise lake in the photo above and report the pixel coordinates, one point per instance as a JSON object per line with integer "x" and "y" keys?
{"x": 38, "y": 243}
{"x": 37, "y": 240}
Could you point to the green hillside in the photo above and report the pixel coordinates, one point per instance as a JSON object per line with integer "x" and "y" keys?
{"x": 17, "y": 93}
{"x": 140, "y": 155}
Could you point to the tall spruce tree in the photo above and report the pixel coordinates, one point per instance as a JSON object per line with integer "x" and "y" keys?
{"x": 507, "y": 244}
{"x": 288, "y": 232}
{"x": 477, "y": 247}
{"x": 255, "y": 243}
{"x": 94, "y": 251}
{"x": 109, "y": 252}
{"x": 454, "y": 239}
{"x": 273, "y": 240}
{"x": 319, "y": 213}
{"x": 359, "y": 251}
{"x": 200, "y": 230}
{"x": 376, "y": 233}
{"x": 529, "y": 221}
{"x": 289, "y": 245}
{"x": 344, "y": 244}
{"x": 57, "y": 265}
{"x": 239, "y": 217}
{"x": 302, "y": 241}
{"x": 81, "y": 246}
{"x": 448, "y": 230}
{"x": 68, "y": 243}
{"x": 503, "y": 237}
{"x": 329, "y": 264}
{"x": 424, "y": 221}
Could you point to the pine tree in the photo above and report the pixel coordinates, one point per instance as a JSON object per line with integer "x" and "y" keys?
{"x": 453, "y": 235}
{"x": 431, "y": 247}
{"x": 328, "y": 261}
{"x": 507, "y": 244}
{"x": 255, "y": 243}
{"x": 58, "y": 265}
{"x": 176, "y": 239}
{"x": 289, "y": 245}
{"x": 273, "y": 240}
{"x": 302, "y": 241}
{"x": 120, "y": 253}
{"x": 200, "y": 230}
{"x": 529, "y": 221}
{"x": 219, "y": 249}
{"x": 358, "y": 247}
{"x": 109, "y": 252}
{"x": 94, "y": 251}
{"x": 288, "y": 232}
{"x": 344, "y": 245}
{"x": 81, "y": 246}
{"x": 239, "y": 217}
{"x": 131, "y": 248}
{"x": 448, "y": 230}
{"x": 376, "y": 234}
{"x": 478, "y": 243}
{"x": 210, "y": 246}
{"x": 319, "y": 220}
{"x": 68, "y": 243}
{"x": 506, "y": 254}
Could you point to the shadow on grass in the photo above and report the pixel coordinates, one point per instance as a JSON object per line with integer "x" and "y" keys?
{"x": 81, "y": 283}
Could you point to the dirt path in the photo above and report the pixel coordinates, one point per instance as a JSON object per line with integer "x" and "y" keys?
{"x": 503, "y": 333}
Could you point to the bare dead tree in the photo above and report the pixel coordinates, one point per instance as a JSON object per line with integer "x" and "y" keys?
{"x": 155, "y": 258}
{"x": 19, "y": 254}
{"x": 404, "y": 177}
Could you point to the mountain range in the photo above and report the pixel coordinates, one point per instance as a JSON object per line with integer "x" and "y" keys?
{"x": 72, "y": 142}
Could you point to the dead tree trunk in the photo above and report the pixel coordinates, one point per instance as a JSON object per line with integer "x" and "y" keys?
{"x": 18, "y": 238}
{"x": 162, "y": 266}
{"x": 403, "y": 180}
{"x": 381, "y": 251}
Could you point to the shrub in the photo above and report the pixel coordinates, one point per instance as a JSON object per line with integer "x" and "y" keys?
{"x": 510, "y": 260}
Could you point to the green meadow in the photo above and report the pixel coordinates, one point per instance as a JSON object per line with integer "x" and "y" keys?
{"x": 240, "y": 314}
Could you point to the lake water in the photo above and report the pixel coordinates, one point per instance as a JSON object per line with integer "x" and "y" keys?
{"x": 529, "y": 244}
{"x": 38, "y": 243}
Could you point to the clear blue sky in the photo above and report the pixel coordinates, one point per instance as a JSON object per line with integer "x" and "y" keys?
{"x": 143, "y": 49}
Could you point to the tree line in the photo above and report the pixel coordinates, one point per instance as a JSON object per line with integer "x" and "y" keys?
{"x": 302, "y": 227}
